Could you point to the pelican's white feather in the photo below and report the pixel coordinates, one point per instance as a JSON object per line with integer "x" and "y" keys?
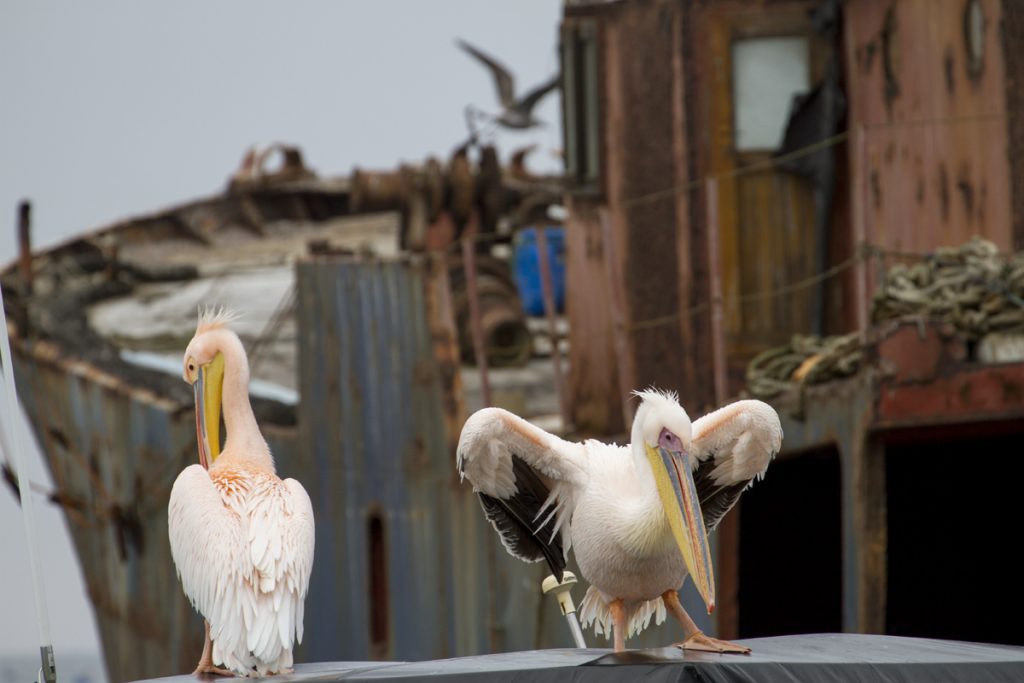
{"x": 243, "y": 548}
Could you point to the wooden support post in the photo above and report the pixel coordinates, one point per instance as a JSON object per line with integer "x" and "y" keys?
{"x": 865, "y": 533}
{"x": 727, "y": 615}
{"x": 617, "y": 305}
{"x": 860, "y": 228}
{"x": 473, "y": 296}
{"x": 548, "y": 291}
{"x": 728, "y": 619}
{"x": 714, "y": 272}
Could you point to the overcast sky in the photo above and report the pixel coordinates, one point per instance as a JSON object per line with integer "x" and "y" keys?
{"x": 109, "y": 109}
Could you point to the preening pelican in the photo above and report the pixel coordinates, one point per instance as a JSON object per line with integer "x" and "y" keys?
{"x": 637, "y": 515}
{"x": 241, "y": 538}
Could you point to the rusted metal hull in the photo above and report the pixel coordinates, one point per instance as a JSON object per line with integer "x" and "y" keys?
{"x": 918, "y": 386}
{"x": 377, "y": 421}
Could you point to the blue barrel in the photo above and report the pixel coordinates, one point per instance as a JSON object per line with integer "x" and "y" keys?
{"x": 526, "y": 268}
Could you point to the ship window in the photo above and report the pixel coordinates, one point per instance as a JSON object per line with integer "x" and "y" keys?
{"x": 580, "y": 104}
{"x": 766, "y": 74}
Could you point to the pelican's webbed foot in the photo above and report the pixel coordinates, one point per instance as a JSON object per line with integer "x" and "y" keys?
{"x": 205, "y": 665}
{"x": 209, "y": 668}
{"x": 703, "y": 643}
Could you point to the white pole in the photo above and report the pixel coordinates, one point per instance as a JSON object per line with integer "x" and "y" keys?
{"x": 49, "y": 667}
{"x": 563, "y": 593}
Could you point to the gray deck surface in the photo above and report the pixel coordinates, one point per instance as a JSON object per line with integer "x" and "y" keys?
{"x": 820, "y": 657}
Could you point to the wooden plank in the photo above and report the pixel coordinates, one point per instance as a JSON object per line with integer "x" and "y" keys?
{"x": 685, "y": 256}
{"x": 864, "y": 531}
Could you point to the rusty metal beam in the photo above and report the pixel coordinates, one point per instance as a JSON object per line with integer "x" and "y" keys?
{"x": 25, "y": 247}
{"x": 548, "y": 292}
{"x": 970, "y": 394}
{"x": 473, "y": 297}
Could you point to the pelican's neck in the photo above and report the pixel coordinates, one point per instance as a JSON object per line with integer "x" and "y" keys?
{"x": 644, "y": 475}
{"x": 643, "y": 467}
{"x": 643, "y": 526}
{"x": 243, "y": 442}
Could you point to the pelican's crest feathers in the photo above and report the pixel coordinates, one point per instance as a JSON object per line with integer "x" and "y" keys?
{"x": 215, "y": 317}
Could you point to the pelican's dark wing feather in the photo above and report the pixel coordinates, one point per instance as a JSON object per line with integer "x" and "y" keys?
{"x": 519, "y": 521}
{"x": 527, "y": 481}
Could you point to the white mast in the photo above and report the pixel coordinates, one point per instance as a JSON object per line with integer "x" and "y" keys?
{"x": 49, "y": 667}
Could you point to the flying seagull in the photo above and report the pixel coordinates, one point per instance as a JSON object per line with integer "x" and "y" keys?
{"x": 517, "y": 113}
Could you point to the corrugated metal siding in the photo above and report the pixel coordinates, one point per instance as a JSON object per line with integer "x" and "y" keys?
{"x": 374, "y": 440}
{"x": 117, "y": 451}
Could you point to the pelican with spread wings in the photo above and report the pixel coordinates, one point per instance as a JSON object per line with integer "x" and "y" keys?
{"x": 637, "y": 516}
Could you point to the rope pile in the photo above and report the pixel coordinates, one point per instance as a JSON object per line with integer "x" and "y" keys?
{"x": 804, "y": 360}
{"x": 973, "y": 288}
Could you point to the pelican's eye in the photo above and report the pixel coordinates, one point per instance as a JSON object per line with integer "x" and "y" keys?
{"x": 670, "y": 442}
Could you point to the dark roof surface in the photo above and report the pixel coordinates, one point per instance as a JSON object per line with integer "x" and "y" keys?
{"x": 806, "y": 658}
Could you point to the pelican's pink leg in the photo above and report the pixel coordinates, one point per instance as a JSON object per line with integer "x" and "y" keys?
{"x": 695, "y": 638}
{"x": 618, "y": 609}
{"x": 205, "y": 665}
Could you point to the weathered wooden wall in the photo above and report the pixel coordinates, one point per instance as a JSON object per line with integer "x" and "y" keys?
{"x": 636, "y": 267}
{"x": 929, "y": 155}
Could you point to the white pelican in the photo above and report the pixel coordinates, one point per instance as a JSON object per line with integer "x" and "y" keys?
{"x": 241, "y": 538}
{"x": 636, "y": 515}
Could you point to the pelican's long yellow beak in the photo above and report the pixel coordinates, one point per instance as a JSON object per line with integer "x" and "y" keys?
{"x": 678, "y": 494}
{"x": 209, "y": 386}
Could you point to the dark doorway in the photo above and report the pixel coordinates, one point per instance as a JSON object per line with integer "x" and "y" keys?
{"x": 790, "y": 570}
{"x": 954, "y": 507}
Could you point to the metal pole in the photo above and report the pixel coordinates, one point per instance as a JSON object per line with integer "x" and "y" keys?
{"x": 49, "y": 667}
{"x": 548, "y": 290}
{"x": 563, "y": 591}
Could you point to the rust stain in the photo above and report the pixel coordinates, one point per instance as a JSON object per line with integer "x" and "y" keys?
{"x": 963, "y": 184}
{"x": 876, "y": 190}
{"x": 965, "y": 393}
{"x": 944, "y": 192}
{"x": 866, "y": 55}
{"x": 1013, "y": 392}
{"x": 948, "y": 63}
{"x": 890, "y": 57}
